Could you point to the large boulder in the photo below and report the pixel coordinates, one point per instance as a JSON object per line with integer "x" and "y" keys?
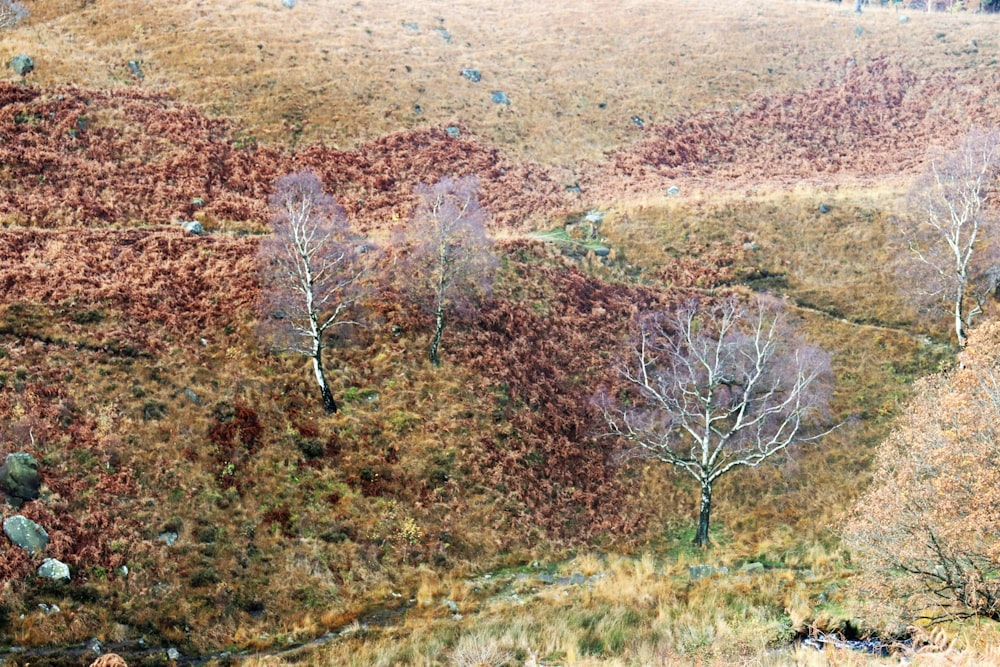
{"x": 26, "y": 534}
{"x": 19, "y": 477}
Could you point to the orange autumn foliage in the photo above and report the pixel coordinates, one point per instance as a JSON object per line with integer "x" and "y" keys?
{"x": 927, "y": 533}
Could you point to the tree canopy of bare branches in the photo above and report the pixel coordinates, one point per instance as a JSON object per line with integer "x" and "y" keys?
{"x": 951, "y": 231}
{"x": 926, "y": 535}
{"x": 716, "y": 387}
{"x": 310, "y": 270}
{"x": 450, "y": 256}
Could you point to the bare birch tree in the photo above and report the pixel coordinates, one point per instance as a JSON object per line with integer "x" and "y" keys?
{"x": 451, "y": 257}
{"x": 718, "y": 387}
{"x": 310, "y": 270}
{"x": 952, "y": 232}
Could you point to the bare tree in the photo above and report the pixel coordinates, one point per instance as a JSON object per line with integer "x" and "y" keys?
{"x": 717, "y": 387}
{"x": 450, "y": 255}
{"x": 952, "y": 231}
{"x": 310, "y": 270}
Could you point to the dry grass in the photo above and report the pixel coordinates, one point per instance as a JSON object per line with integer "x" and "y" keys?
{"x": 302, "y": 546}
{"x": 575, "y": 73}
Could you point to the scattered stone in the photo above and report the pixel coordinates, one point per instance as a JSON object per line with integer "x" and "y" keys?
{"x": 135, "y": 69}
{"x": 751, "y": 246}
{"x": 452, "y": 607}
{"x": 288, "y": 4}
{"x": 594, "y": 217}
{"x": 417, "y": 109}
{"x": 500, "y": 97}
{"x": 53, "y": 569}
{"x": 577, "y": 579}
{"x": 191, "y": 396}
{"x": 453, "y": 132}
{"x": 173, "y": 654}
{"x": 410, "y": 26}
{"x": 456, "y": 617}
{"x": 445, "y": 35}
{"x": 23, "y": 65}
{"x": 752, "y": 568}
{"x": 49, "y": 609}
{"x": 574, "y": 187}
{"x": 124, "y": 570}
{"x": 26, "y": 534}
{"x": 696, "y": 572}
{"x": 472, "y": 75}
{"x": 19, "y": 477}
{"x": 167, "y": 537}
{"x": 638, "y": 122}
{"x": 824, "y": 208}
{"x": 546, "y": 578}
{"x": 95, "y": 645}
{"x": 904, "y": 19}
{"x": 859, "y": 31}
{"x": 673, "y": 191}
{"x": 193, "y": 227}
{"x": 602, "y": 251}
{"x": 198, "y": 201}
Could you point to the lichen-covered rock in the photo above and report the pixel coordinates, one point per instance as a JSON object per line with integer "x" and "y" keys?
{"x": 53, "y": 569}
{"x": 26, "y": 534}
{"x": 19, "y": 476}
{"x": 23, "y": 65}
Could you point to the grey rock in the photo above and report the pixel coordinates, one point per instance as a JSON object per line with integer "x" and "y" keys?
{"x": 500, "y": 97}
{"x": 198, "y": 201}
{"x": 577, "y": 579}
{"x": 673, "y": 191}
{"x": 136, "y": 69}
{"x": 594, "y": 217}
{"x": 696, "y": 572}
{"x": 191, "y": 396}
{"x": 472, "y": 75}
{"x": 859, "y": 31}
{"x": 824, "y": 208}
{"x": 26, "y": 534}
{"x": 95, "y": 645}
{"x": 194, "y": 227}
{"x": 288, "y": 4}
{"x": 546, "y": 578}
{"x": 638, "y": 122}
{"x": 49, "y": 609}
{"x": 453, "y": 132}
{"x": 445, "y": 35}
{"x": 904, "y": 19}
{"x": 23, "y": 65}
{"x": 19, "y": 476}
{"x": 602, "y": 251}
{"x": 55, "y": 570}
{"x": 752, "y": 568}
{"x": 452, "y": 607}
{"x": 410, "y": 26}
{"x": 167, "y": 537}
{"x": 173, "y": 654}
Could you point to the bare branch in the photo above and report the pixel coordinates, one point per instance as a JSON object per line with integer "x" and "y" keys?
{"x": 718, "y": 387}
{"x": 450, "y": 257}
{"x": 310, "y": 270}
{"x": 950, "y": 230}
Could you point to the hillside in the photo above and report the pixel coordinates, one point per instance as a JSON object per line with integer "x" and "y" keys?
{"x": 192, "y": 482}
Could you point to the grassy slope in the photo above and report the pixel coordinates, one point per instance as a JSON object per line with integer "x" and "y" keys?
{"x": 96, "y": 364}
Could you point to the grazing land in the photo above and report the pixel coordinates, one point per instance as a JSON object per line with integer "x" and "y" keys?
{"x": 629, "y": 156}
